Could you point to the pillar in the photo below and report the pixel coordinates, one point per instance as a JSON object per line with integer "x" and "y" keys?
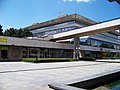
{"x": 77, "y": 52}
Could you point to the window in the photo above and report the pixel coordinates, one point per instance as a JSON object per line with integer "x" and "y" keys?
{"x": 58, "y": 30}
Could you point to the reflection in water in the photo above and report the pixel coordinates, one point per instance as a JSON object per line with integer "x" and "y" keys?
{"x": 111, "y": 86}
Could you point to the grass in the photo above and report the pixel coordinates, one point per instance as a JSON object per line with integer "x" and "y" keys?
{"x": 38, "y": 60}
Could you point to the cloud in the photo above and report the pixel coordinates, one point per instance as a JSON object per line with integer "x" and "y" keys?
{"x": 78, "y": 1}
{"x": 8, "y": 27}
{"x": 67, "y": 0}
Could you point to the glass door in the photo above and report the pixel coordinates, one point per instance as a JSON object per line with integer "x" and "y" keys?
{"x": 4, "y": 54}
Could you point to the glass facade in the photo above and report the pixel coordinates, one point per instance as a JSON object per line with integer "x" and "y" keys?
{"x": 94, "y": 54}
{"x": 103, "y": 40}
{"x": 98, "y": 43}
{"x": 71, "y": 25}
{"x": 47, "y": 53}
{"x": 57, "y": 28}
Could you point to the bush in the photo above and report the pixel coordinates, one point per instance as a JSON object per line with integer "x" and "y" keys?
{"x": 106, "y": 58}
{"x": 38, "y": 60}
{"x": 110, "y": 58}
{"x": 87, "y": 59}
{"x": 115, "y": 58}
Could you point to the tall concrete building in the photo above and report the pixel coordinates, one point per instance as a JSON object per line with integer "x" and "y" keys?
{"x": 96, "y": 45}
{"x": 108, "y": 40}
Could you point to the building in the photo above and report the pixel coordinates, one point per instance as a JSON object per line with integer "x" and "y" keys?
{"x": 12, "y": 48}
{"x": 108, "y": 40}
{"x": 60, "y": 24}
{"x": 118, "y": 1}
{"x": 98, "y": 46}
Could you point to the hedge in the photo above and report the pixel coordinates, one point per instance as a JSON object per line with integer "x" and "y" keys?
{"x": 38, "y": 60}
{"x": 87, "y": 59}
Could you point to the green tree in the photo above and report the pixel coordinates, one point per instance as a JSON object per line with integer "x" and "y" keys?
{"x": 10, "y": 32}
{"x": 17, "y": 32}
{"x": 26, "y": 33}
{"x": 1, "y": 30}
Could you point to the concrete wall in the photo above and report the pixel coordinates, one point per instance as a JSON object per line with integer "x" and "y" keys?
{"x": 35, "y": 43}
{"x": 15, "y": 53}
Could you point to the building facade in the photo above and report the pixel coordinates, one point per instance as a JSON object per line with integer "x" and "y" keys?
{"x": 12, "y": 48}
{"x": 98, "y": 46}
{"x": 108, "y": 40}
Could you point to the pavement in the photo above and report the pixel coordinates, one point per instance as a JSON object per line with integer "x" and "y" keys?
{"x": 37, "y": 76}
{"x": 109, "y": 60}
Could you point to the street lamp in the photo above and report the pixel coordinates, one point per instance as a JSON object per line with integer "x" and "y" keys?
{"x": 78, "y": 52}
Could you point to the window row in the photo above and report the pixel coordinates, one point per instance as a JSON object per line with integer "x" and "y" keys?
{"x": 47, "y": 53}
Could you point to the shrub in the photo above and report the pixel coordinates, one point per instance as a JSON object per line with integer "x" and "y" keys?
{"x": 87, "y": 59}
{"x": 38, "y": 60}
{"x": 106, "y": 58}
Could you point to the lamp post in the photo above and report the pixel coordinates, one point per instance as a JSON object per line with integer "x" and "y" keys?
{"x": 78, "y": 52}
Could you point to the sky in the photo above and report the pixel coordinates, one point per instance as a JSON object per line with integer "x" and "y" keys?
{"x": 22, "y": 13}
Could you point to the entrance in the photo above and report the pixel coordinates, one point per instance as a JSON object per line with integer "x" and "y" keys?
{"x": 4, "y": 54}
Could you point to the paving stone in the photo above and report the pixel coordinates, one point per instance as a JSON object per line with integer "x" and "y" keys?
{"x": 29, "y": 76}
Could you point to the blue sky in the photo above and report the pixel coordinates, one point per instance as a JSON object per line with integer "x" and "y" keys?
{"x": 21, "y": 13}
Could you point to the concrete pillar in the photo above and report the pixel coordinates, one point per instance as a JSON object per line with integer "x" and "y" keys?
{"x": 77, "y": 52}
{"x": 38, "y": 53}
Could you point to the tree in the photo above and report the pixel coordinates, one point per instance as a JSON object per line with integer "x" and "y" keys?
{"x": 10, "y": 32}
{"x": 1, "y": 30}
{"x": 17, "y": 32}
{"x": 26, "y": 33}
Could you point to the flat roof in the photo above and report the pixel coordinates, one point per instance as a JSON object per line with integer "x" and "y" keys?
{"x": 22, "y": 42}
{"x": 62, "y": 19}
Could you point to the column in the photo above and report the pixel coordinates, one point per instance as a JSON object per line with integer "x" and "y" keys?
{"x": 38, "y": 52}
{"x": 77, "y": 52}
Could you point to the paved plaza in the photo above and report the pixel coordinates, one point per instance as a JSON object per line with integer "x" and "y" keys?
{"x": 31, "y": 76}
